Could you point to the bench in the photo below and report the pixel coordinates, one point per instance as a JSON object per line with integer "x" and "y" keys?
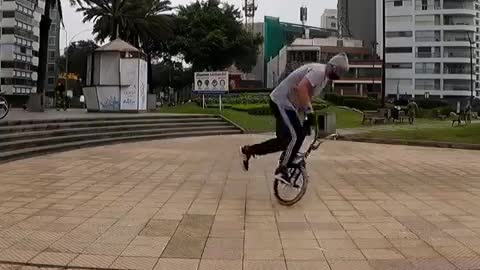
{"x": 402, "y": 116}
{"x": 373, "y": 117}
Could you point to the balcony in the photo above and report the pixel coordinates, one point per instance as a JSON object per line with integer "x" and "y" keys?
{"x": 427, "y": 70}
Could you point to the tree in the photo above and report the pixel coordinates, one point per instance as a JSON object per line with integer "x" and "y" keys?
{"x": 77, "y": 53}
{"x": 210, "y": 36}
{"x": 139, "y": 22}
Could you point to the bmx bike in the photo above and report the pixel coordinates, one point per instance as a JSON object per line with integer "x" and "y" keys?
{"x": 290, "y": 194}
{"x": 4, "y": 107}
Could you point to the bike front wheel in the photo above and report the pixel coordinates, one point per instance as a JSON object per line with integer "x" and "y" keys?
{"x": 289, "y": 195}
{"x": 4, "y": 108}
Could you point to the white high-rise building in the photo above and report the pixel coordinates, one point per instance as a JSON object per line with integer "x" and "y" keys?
{"x": 329, "y": 19}
{"x": 19, "y": 45}
{"x": 428, "y": 47}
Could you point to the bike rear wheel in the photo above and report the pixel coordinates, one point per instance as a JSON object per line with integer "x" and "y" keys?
{"x": 4, "y": 107}
{"x": 289, "y": 195}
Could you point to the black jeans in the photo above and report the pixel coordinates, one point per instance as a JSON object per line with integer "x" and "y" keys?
{"x": 289, "y": 136}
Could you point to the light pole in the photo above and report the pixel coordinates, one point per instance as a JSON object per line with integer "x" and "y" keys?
{"x": 471, "y": 69}
{"x": 67, "y": 43}
{"x": 384, "y": 41}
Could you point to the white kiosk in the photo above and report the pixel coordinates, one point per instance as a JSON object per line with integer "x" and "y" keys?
{"x": 116, "y": 79}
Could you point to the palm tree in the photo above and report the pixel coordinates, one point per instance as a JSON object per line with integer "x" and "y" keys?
{"x": 143, "y": 23}
{"x": 45, "y": 23}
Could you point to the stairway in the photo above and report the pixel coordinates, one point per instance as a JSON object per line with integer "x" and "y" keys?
{"x": 25, "y": 138}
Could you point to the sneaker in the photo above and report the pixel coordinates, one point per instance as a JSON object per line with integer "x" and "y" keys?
{"x": 245, "y": 158}
{"x": 281, "y": 174}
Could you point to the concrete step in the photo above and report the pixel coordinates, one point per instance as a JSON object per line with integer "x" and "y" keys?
{"x": 43, "y": 141}
{"x": 101, "y": 123}
{"x": 65, "y": 131}
{"x": 33, "y": 151}
{"x": 105, "y": 118}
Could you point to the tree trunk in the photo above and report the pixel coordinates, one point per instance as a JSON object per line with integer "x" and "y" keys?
{"x": 43, "y": 50}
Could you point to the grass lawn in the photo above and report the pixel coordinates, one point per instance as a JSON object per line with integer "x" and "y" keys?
{"x": 251, "y": 123}
{"x": 258, "y": 124}
{"x": 464, "y": 134}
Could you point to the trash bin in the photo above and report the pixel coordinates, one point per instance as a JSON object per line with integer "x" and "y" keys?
{"x": 327, "y": 123}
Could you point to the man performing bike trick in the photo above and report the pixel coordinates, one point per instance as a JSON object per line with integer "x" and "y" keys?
{"x": 291, "y": 98}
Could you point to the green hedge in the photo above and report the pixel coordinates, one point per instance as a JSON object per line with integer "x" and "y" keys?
{"x": 261, "y": 98}
{"x": 360, "y": 103}
{"x": 431, "y": 104}
{"x": 265, "y": 109}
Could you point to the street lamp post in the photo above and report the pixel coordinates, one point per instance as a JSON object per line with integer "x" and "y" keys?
{"x": 471, "y": 69}
{"x": 67, "y": 43}
{"x": 384, "y": 40}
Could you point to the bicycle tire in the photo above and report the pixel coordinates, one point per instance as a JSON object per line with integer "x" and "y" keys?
{"x": 5, "y": 108}
{"x": 301, "y": 193}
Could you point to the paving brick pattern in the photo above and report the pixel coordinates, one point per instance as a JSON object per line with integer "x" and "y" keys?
{"x": 186, "y": 205}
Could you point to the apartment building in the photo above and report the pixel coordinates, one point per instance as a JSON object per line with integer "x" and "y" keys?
{"x": 329, "y": 19}
{"x": 19, "y": 45}
{"x": 364, "y": 77}
{"x": 428, "y": 44}
{"x": 53, "y": 50}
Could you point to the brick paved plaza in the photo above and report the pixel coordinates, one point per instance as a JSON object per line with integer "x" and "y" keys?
{"x": 185, "y": 205}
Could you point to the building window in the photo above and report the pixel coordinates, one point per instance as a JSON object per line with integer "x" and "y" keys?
{"x": 51, "y": 54}
{"x": 399, "y": 34}
{"x": 24, "y": 10}
{"x": 8, "y": 14}
{"x": 399, "y": 49}
{"x": 7, "y": 64}
{"x": 51, "y": 80}
{"x": 24, "y": 26}
{"x": 399, "y": 65}
{"x": 51, "y": 68}
{"x": 398, "y": 3}
{"x": 51, "y": 40}
{"x": 23, "y": 49}
{"x": 35, "y": 53}
{"x": 8, "y": 31}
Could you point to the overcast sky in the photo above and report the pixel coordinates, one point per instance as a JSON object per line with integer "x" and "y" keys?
{"x": 287, "y": 10}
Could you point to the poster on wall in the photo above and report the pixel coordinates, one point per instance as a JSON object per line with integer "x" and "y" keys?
{"x": 108, "y": 98}
{"x": 129, "y": 82}
{"x": 211, "y": 82}
{"x": 142, "y": 86}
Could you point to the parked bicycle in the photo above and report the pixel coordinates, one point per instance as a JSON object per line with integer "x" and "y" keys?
{"x": 290, "y": 194}
{"x": 4, "y": 107}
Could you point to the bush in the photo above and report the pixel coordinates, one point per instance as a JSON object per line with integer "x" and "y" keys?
{"x": 431, "y": 104}
{"x": 265, "y": 109}
{"x": 360, "y": 103}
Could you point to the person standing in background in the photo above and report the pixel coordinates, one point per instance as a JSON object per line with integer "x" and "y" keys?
{"x": 60, "y": 97}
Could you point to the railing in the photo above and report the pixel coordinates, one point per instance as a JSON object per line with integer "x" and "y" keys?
{"x": 427, "y": 87}
{"x": 456, "y": 87}
{"x": 428, "y": 54}
{"x": 427, "y": 39}
{"x": 435, "y": 6}
{"x": 456, "y": 54}
{"x": 459, "y": 23}
{"x": 456, "y": 38}
{"x": 448, "y": 70}
{"x": 458, "y": 5}
{"x": 427, "y": 70}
